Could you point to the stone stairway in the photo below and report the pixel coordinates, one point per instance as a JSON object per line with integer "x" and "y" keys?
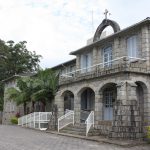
{"x": 79, "y": 130}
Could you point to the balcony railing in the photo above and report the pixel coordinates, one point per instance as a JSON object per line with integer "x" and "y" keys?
{"x": 124, "y": 63}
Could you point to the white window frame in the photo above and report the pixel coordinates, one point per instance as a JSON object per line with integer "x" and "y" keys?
{"x": 86, "y": 62}
{"x": 108, "y": 52}
{"x": 132, "y": 46}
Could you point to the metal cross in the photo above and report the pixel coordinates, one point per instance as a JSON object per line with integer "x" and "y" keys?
{"x": 106, "y": 13}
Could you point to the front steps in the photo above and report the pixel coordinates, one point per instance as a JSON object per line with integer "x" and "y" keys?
{"x": 79, "y": 130}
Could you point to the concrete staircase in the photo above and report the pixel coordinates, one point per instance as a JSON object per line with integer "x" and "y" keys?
{"x": 79, "y": 130}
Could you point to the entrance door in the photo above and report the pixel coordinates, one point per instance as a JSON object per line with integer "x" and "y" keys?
{"x": 108, "y": 105}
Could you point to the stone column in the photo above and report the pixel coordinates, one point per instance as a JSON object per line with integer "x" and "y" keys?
{"x": 98, "y": 108}
{"x": 116, "y": 48}
{"x": 127, "y": 120}
{"x": 145, "y": 44}
{"x": 77, "y": 108}
{"x": 78, "y": 62}
{"x": 94, "y": 59}
{"x": 59, "y": 101}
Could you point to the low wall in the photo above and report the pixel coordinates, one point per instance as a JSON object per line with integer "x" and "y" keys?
{"x": 104, "y": 127}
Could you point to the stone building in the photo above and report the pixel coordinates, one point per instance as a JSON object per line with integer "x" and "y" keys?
{"x": 10, "y": 109}
{"x": 110, "y": 77}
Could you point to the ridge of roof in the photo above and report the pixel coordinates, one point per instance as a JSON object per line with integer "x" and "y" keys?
{"x": 110, "y": 36}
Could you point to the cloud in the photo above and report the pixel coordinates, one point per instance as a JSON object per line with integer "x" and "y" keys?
{"x": 54, "y": 28}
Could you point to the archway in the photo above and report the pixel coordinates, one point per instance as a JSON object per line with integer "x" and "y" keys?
{"x": 103, "y": 25}
{"x": 68, "y": 101}
{"x": 141, "y": 92}
{"x": 109, "y": 96}
{"x": 87, "y": 103}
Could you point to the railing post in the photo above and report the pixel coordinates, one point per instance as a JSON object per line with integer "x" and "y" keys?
{"x": 73, "y": 117}
{"x": 58, "y": 124}
{"x": 26, "y": 122}
{"x": 34, "y": 119}
{"x": 39, "y": 120}
{"x": 93, "y": 118}
{"x": 46, "y": 116}
{"x": 22, "y": 121}
{"x": 30, "y": 120}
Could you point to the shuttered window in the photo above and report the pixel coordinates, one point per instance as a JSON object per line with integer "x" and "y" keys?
{"x": 107, "y": 57}
{"x": 86, "y": 62}
{"x": 132, "y": 47}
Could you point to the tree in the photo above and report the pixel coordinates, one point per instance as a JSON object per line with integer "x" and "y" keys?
{"x": 16, "y": 59}
{"x": 41, "y": 88}
{"x": 47, "y": 85}
{"x": 22, "y": 94}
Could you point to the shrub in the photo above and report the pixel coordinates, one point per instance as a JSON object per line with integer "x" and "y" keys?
{"x": 14, "y": 120}
{"x": 17, "y": 115}
{"x": 148, "y": 133}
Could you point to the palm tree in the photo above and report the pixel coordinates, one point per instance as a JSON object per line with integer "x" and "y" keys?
{"x": 47, "y": 85}
{"x": 22, "y": 94}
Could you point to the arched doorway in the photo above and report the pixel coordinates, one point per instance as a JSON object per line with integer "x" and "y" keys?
{"x": 109, "y": 96}
{"x": 87, "y": 103}
{"x": 141, "y": 92}
{"x": 68, "y": 101}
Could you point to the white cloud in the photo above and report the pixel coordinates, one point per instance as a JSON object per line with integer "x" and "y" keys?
{"x": 53, "y": 28}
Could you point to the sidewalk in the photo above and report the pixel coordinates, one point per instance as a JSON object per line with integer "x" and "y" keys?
{"x": 102, "y": 139}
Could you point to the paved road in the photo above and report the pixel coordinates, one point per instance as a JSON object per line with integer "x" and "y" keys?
{"x": 17, "y": 138}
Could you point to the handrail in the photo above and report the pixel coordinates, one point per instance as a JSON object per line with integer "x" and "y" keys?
{"x": 99, "y": 64}
{"x": 34, "y": 120}
{"x": 89, "y": 122}
{"x": 66, "y": 119}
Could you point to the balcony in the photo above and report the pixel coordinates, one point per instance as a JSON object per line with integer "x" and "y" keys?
{"x": 122, "y": 64}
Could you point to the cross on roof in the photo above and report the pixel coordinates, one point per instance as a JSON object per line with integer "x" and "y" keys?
{"x": 106, "y": 13}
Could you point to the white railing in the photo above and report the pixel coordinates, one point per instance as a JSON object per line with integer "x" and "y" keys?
{"x": 102, "y": 65}
{"x": 66, "y": 119}
{"x": 84, "y": 115}
{"x": 38, "y": 120}
{"x": 89, "y": 122}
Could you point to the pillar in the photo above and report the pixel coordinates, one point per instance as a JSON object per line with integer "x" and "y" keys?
{"x": 59, "y": 101}
{"x": 127, "y": 120}
{"x": 98, "y": 107}
{"x": 77, "y": 108}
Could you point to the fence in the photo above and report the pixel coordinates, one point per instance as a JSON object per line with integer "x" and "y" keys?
{"x": 37, "y": 120}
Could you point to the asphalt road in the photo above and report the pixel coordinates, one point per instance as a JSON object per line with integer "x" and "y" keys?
{"x": 17, "y": 138}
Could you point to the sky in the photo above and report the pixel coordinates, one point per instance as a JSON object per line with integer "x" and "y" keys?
{"x": 54, "y": 28}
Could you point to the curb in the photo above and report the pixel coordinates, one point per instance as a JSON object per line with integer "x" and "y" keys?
{"x": 130, "y": 143}
{"x": 99, "y": 139}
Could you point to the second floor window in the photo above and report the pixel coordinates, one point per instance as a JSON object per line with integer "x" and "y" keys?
{"x": 86, "y": 62}
{"x": 132, "y": 47}
{"x": 107, "y": 57}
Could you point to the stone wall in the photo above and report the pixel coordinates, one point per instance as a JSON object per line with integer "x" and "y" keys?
{"x": 126, "y": 110}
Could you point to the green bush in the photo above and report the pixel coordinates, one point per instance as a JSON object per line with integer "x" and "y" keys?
{"x": 148, "y": 133}
{"x": 14, "y": 120}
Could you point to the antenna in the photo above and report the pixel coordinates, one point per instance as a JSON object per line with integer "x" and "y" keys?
{"x": 92, "y": 21}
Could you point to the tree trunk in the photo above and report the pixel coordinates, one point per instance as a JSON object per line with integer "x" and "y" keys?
{"x": 24, "y": 105}
{"x": 33, "y": 106}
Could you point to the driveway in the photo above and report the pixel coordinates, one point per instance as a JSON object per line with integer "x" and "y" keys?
{"x": 17, "y": 138}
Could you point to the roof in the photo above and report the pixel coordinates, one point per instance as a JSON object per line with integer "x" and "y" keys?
{"x": 64, "y": 63}
{"x": 18, "y": 75}
{"x": 88, "y": 47}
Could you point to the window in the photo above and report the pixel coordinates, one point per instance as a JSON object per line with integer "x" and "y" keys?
{"x": 107, "y": 57}
{"x": 86, "y": 62}
{"x": 132, "y": 46}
